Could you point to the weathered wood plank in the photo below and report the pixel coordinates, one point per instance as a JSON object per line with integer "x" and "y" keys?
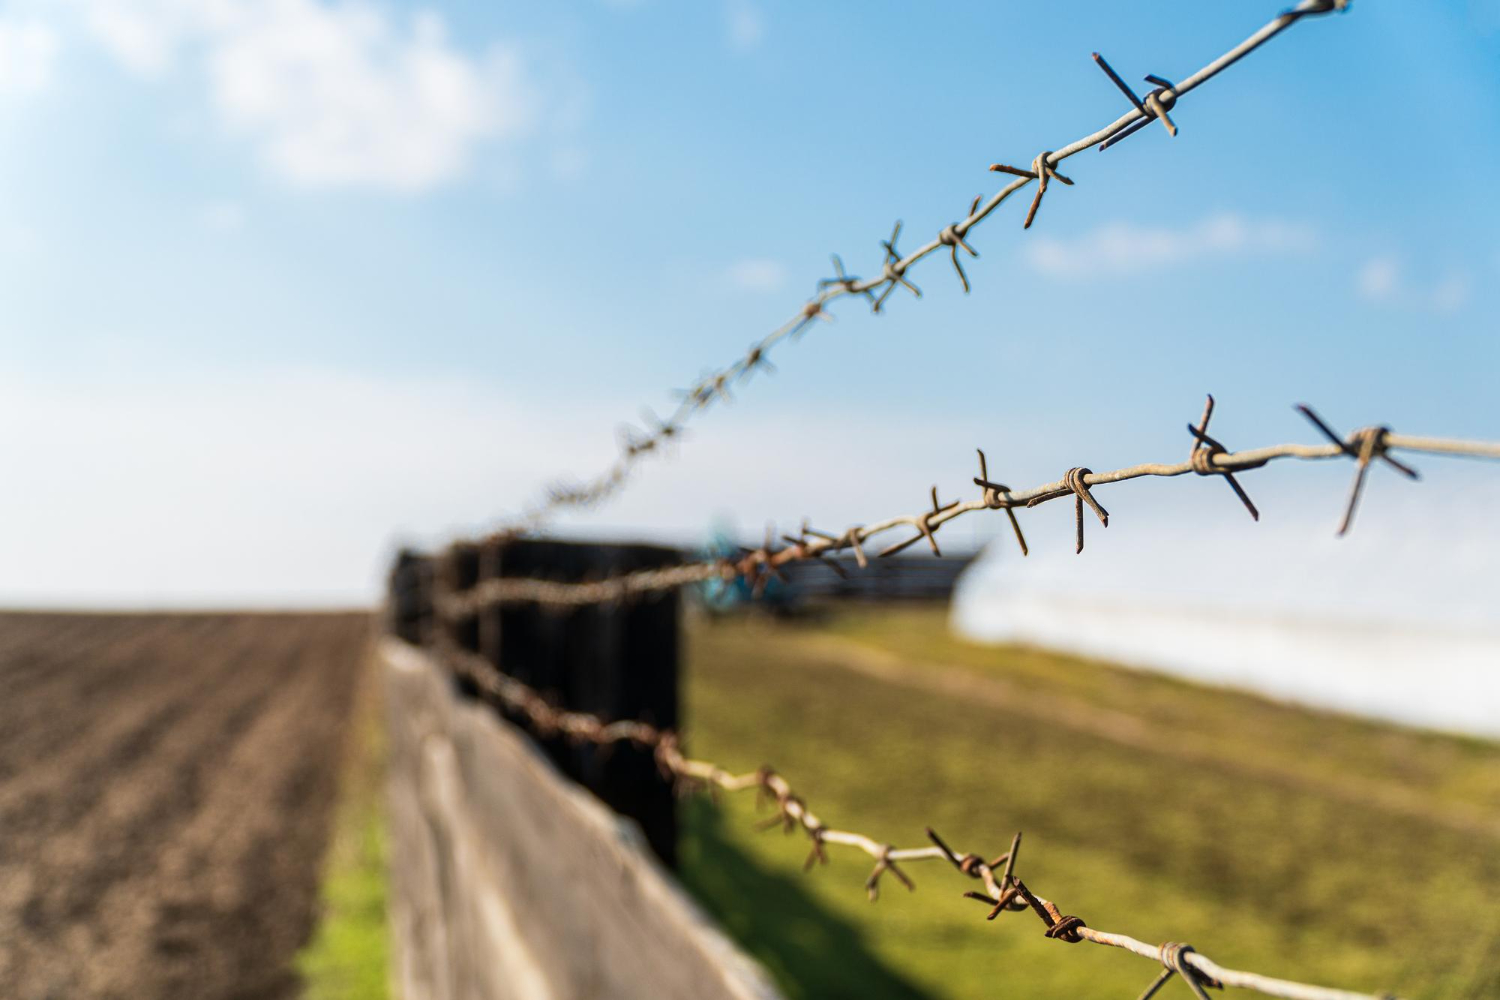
{"x": 511, "y": 883}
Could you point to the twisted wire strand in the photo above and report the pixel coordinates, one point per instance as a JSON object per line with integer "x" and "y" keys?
{"x": 1207, "y": 457}
{"x": 1003, "y": 889}
{"x": 714, "y": 386}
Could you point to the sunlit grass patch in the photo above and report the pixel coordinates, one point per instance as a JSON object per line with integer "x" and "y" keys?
{"x": 349, "y": 956}
{"x": 1289, "y": 842}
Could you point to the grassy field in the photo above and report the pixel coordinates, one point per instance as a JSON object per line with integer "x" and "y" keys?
{"x": 1290, "y": 842}
{"x": 349, "y": 956}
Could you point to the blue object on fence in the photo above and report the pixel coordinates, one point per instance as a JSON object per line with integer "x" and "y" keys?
{"x": 725, "y": 595}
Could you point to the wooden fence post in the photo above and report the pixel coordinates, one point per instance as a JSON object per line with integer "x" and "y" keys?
{"x": 617, "y": 660}
{"x": 409, "y": 604}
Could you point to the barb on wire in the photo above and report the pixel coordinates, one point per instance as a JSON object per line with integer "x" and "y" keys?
{"x": 893, "y": 270}
{"x": 763, "y": 563}
{"x": 925, "y": 528}
{"x": 992, "y": 500}
{"x": 951, "y": 238}
{"x": 1075, "y": 482}
{"x": 807, "y": 551}
{"x": 1205, "y": 449}
{"x": 848, "y": 283}
{"x": 1208, "y": 457}
{"x": 1155, "y": 106}
{"x": 1004, "y": 890}
{"x": 1041, "y": 170}
{"x": 1363, "y": 446}
{"x": 714, "y": 386}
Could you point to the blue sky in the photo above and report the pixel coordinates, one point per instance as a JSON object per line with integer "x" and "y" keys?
{"x": 285, "y": 282}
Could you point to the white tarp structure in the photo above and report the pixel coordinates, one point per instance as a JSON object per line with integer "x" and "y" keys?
{"x": 1398, "y": 620}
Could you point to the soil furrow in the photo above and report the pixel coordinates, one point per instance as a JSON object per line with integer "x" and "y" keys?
{"x": 165, "y": 782}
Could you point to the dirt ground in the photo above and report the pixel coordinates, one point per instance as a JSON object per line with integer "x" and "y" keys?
{"x": 165, "y": 786}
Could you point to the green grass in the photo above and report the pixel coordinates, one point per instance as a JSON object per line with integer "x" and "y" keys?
{"x": 1458, "y": 772}
{"x": 807, "y": 946}
{"x": 349, "y": 955}
{"x": 1289, "y": 842}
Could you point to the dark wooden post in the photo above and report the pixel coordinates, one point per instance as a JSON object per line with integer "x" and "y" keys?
{"x": 457, "y": 569}
{"x": 617, "y": 660}
{"x": 409, "y": 606}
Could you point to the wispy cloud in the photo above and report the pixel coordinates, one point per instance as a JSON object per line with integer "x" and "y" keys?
{"x": 1451, "y": 293}
{"x": 331, "y": 94}
{"x": 28, "y": 49}
{"x": 757, "y": 275}
{"x": 746, "y": 23}
{"x": 1379, "y": 279}
{"x": 1384, "y": 280}
{"x": 1120, "y": 248}
{"x": 142, "y": 35}
{"x": 223, "y": 217}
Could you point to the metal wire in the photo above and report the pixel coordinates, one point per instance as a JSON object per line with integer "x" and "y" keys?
{"x": 1003, "y": 891}
{"x": 1207, "y": 457}
{"x": 635, "y": 443}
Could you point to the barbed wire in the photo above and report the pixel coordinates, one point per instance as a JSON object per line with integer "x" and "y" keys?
{"x": 1207, "y": 457}
{"x": 1004, "y": 890}
{"x": 713, "y": 387}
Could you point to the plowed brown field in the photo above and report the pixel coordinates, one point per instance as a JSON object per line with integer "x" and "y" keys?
{"x": 165, "y": 786}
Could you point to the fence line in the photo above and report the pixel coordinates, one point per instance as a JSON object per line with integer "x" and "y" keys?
{"x": 1004, "y": 890}
{"x": 1207, "y": 457}
{"x": 714, "y": 386}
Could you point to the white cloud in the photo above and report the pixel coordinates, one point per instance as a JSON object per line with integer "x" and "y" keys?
{"x": 757, "y": 275}
{"x": 1119, "y": 248}
{"x": 223, "y": 217}
{"x": 1451, "y": 293}
{"x": 27, "y": 50}
{"x": 746, "y": 24}
{"x": 339, "y": 93}
{"x": 1379, "y": 279}
{"x": 143, "y": 35}
{"x": 1383, "y": 280}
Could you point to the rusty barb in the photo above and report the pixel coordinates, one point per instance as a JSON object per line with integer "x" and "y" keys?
{"x": 893, "y": 270}
{"x": 1041, "y": 170}
{"x": 1156, "y": 105}
{"x": 1363, "y": 446}
{"x": 1004, "y": 890}
{"x": 1075, "y": 482}
{"x": 714, "y": 386}
{"x": 992, "y": 500}
{"x": 1206, "y": 450}
{"x": 1208, "y": 457}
